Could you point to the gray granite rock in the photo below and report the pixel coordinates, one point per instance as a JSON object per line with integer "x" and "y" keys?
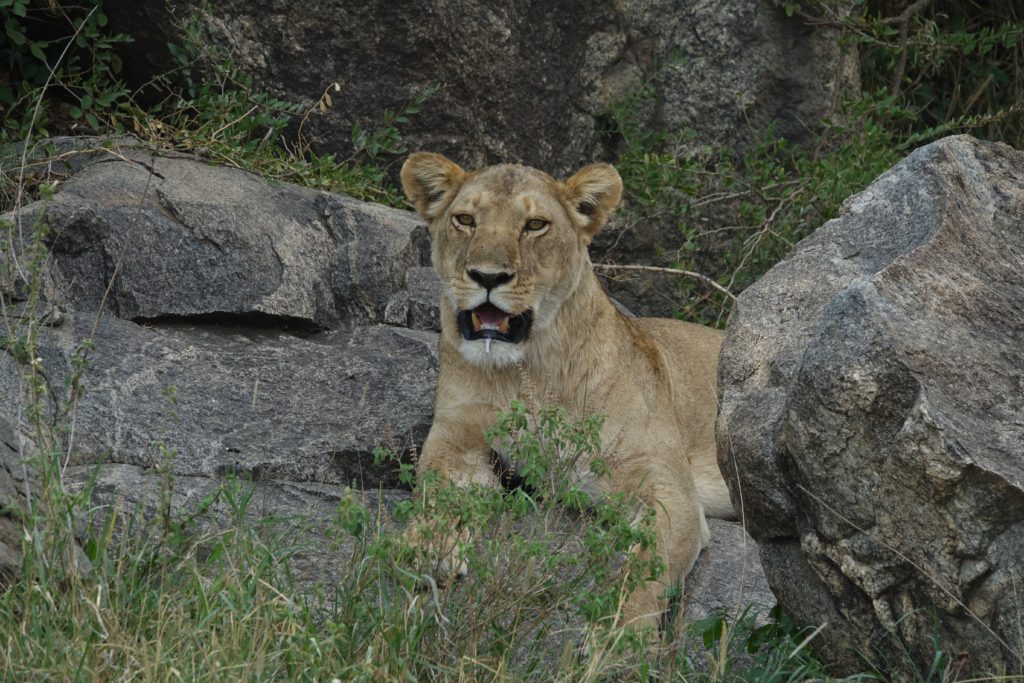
{"x": 12, "y": 477}
{"x": 188, "y": 239}
{"x": 727, "y": 578}
{"x": 872, "y": 406}
{"x": 258, "y": 403}
{"x": 300, "y": 515}
{"x": 522, "y": 82}
{"x": 417, "y": 306}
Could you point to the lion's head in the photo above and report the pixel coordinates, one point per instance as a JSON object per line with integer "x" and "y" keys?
{"x": 510, "y": 244}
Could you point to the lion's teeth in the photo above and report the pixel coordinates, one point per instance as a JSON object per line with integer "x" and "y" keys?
{"x": 476, "y": 322}
{"x": 503, "y": 326}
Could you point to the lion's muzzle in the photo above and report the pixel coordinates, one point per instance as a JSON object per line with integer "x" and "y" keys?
{"x": 487, "y": 321}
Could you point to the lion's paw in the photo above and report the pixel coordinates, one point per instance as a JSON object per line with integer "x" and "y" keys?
{"x": 440, "y": 552}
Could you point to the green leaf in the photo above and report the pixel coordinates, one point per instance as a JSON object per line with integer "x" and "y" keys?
{"x": 37, "y": 51}
{"x": 15, "y": 31}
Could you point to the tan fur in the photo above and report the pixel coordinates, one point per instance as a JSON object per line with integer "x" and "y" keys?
{"x": 652, "y": 379}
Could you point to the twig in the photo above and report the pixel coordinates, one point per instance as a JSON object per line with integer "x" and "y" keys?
{"x": 903, "y": 21}
{"x": 670, "y": 271}
{"x": 227, "y": 125}
{"x": 751, "y": 242}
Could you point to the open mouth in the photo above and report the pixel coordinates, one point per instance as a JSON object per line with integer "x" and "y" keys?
{"x": 487, "y": 321}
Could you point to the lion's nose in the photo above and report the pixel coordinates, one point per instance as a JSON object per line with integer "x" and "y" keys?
{"x": 489, "y": 280}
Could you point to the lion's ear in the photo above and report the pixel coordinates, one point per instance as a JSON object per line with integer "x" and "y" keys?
{"x": 594, "y": 192}
{"x": 430, "y": 182}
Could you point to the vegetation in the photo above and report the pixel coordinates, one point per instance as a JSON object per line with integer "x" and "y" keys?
{"x": 206, "y": 105}
{"x": 928, "y": 69}
{"x": 106, "y": 600}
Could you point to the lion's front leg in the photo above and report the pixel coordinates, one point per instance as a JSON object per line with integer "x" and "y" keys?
{"x": 454, "y": 454}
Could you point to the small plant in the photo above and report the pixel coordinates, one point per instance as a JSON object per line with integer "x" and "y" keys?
{"x": 541, "y": 555}
{"x": 948, "y": 67}
{"x": 65, "y": 50}
{"x": 754, "y": 648}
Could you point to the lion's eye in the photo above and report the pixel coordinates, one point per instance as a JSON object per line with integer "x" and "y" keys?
{"x": 537, "y": 224}
{"x": 464, "y": 219}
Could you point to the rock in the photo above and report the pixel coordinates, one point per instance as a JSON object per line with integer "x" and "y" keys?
{"x": 301, "y": 514}
{"x": 188, "y": 239}
{"x": 418, "y": 305}
{"x": 734, "y": 67}
{"x": 727, "y": 578}
{"x": 239, "y": 337}
{"x": 11, "y": 499}
{"x": 257, "y": 403}
{"x": 521, "y": 82}
{"x": 872, "y": 406}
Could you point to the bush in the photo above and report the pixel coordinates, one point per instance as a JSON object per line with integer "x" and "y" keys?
{"x": 64, "y": 51}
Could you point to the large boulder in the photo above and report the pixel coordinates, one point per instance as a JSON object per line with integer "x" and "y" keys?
{"x": 525, "y": 82}
{"x": 872, "y": 417}
{"x": 261, "y": 404}
{"x": 188, "y": 239}
{"x": 235, "y": 322}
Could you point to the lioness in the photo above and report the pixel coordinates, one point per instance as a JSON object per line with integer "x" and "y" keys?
{"x": 520, "y": 300}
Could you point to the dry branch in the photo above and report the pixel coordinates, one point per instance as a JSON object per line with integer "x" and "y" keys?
{"x": 671, "y": 271}
{"x": 903, "y": 21}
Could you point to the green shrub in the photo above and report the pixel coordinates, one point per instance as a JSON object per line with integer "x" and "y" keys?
{"x": 64, "y": 50}
{"x": 961, "y": 67}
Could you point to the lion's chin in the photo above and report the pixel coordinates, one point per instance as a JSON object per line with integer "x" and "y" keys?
{"x": 490, "y": 353}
